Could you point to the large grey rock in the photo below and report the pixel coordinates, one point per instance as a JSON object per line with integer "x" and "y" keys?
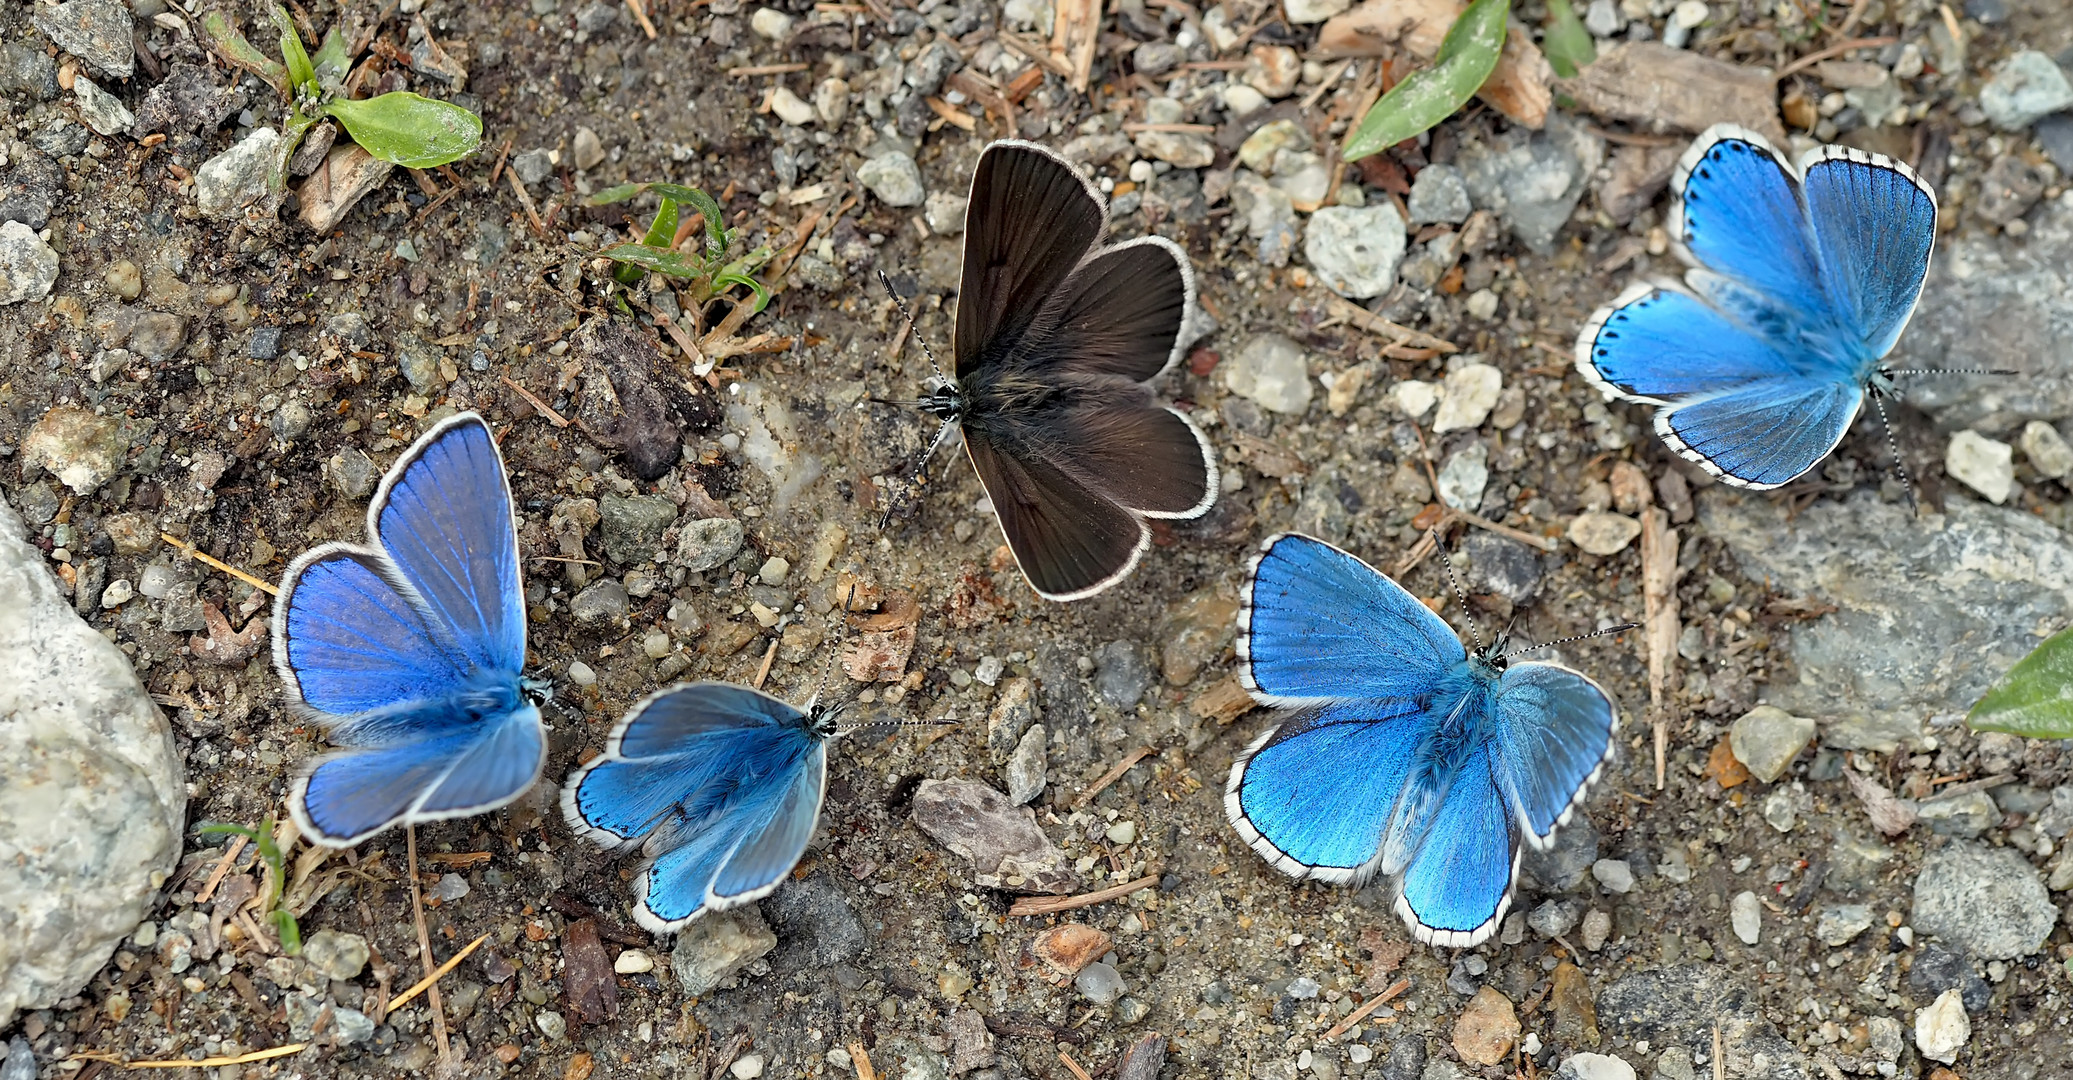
{"x": 1993, "y": 304}
{"x": 1008, "y": 851}
{"x": 96, "y": 31}
{"x": 1989, "y": 901}
{"x": 2027, "y": 87}
{"x": 92, "y": 800}
{"x": 28, "y": 266}
{"x": 1690, "y": 1006}
{"x": 1931, "y": 610}
{"x": 1532, "y": 179}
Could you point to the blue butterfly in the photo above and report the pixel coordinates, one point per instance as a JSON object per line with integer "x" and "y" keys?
{"x": 1802, "y": 280}
{"x": 719, "y": 785}
{"x": 1401, "y": 754}
{"x": 408, "y": 650}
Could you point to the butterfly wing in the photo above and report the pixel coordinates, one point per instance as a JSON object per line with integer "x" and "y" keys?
{"x": 1458, "y": 884}
{"x": 715, "y": 779}
{"x": 444, "y": 517}
{"x": 1315, "y": 794}
{"x": 1554, "y": 735}
{"x": 1319, "y": 624}
{"x": 427, "y": 763}
{"x": 347, "y": 639}
{"x": 1764, "y": 434}
{"x": 1070, "y": 540}
{"x": 1736, "y": 209}
{"x": 1874, "y": 223}
{"x": 1119, "y": 313}
{"x": 1656, "y": 344}
{"x": 1030, "y": 219}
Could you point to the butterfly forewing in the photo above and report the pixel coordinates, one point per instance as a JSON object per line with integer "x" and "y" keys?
{"x": 1030, "y": 221}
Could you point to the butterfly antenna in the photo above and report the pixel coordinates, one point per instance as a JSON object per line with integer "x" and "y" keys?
{"x": 889, "y": 725}
{"x": 828, "y": 668}
{"x": 915, "y": 474}
{"x": 907, "y": 314}
{"x": 1460, "y": 594}
{"x": 1621, "y": 628}
{"x": 1878, "y": 402}
{"x": 1950, "y": 371}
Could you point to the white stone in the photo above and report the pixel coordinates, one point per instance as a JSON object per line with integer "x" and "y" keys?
{"x": 831, "y": 101}
{"x": 1243, "y": 100}
{"x": 2026, "y": 88}
{"x": 771, "y": 23}
{"x": 1985, "y": 465}
{"x": 790, "y": 107}
{"x": 92, "y": 800}
{"x": 1467, "y": 397}
{"x": 28, "y": 266}
{"x": 582, "y": 674}
{"x": 716, "y": 945}
{"x": 2047, "y": 450}
{"x": 1943, "y": 1029}
{"x": 894, "y": 178}
{"x": 1273, "y": 371}
{"x": 237, "y": 177}
{"x": 101, "y": 110}
{"x": 1413, "y": 397}
{"x": 1355, "y": 249}
{"x": 747, "y": 1067}
{"x": 1594, "y": 1067}
{"x": 633, "y": 962}
{"x": 1745, "y": 914}
{"x": 1464, "y": 476}
{"x": 945, "y": 213}
{"x": 1313, "y": 11}
{"x": 1023, "y": 775}
{"x": 1481, "y": 305}
{"x": 1614, "y": 874}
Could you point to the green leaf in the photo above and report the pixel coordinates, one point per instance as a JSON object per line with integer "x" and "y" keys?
{"x": 231, "y": 45}
{"x": 408, "y": 130}
{"x": 332, "y": 63}
{"x": 1466, "y": 58}
{"x": 662, "y": 262}
{"x": 1567, "y": 44}
{"x": 300, "y": 71}
{"x": 616, "y": 194}
{"x": 290, "y": 933}
{"x": 2035, "y": 698}
{"x": 664, "y": 228}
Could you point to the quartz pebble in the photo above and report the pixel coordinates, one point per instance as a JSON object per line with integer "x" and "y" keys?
{"x": 1745, "y": 914}
{"x": 1943, "y": 1029}
{"x": 1984, "y": 465}
{"x": 1766, "y": 739}
{"x": 1467, "y": 396}
{"x": 2046, "y": 450}
{"x": 1602, "y": 532}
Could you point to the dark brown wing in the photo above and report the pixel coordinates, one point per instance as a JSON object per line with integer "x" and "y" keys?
{"x": 1070, "y": 541}
{"x": 1031, "y": 219}
{"x": 1150, "y": 460}
{"x": 1119, "y": 314}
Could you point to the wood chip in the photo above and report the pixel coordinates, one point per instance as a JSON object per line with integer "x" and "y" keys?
{"x": 1647, "y": 82}
{"x": 1661, "y": 624}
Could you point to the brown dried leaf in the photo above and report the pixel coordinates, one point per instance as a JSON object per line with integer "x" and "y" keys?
{"x": 587, "y": 979}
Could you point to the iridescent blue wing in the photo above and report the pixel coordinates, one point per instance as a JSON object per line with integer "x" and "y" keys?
{"x": 1874, "y": 223}
{"x": 712, "y": 780}
{"x": 347, "y": 639}
{"x": 443, "y": 515}
{"x": 1553, "y": 736}
{"x": 1319, "y": 624}
{"x": 1458, "y": 883}
{"x": 1736, "y": 209}
{"x": 1765, "y": 434}
{"x": 1315, "y": 794}
{"x": 426, "y": 763}
{"x": 1656, "y": 344}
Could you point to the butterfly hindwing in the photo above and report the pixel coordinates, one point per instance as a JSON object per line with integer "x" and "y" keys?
{"x": 428, "y": 764}
{"x": 759, "y": 863}
{"x": 1765, "y": 434}
{"x": 1458, "y": 883}
{"x": 1874, "y": 222}
{"x": 1070, "y": 540}
{"x": 1318, "y": 623}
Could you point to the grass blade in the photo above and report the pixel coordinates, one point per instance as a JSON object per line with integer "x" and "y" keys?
{"x": 1566, "y": 43}
{"x": 1466, "y": 58}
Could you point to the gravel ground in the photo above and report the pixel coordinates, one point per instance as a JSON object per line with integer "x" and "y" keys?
{"x": 244, "y": 380}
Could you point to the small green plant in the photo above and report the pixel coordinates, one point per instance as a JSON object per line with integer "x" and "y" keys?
{"x": 1467, "y": 56}
{"x": 707, "y": 268}
{"x": 1566, "y": 43}
{"x": 280, "y": 918}
{"x": 400, "y": 127}
{"x": 2035, "y": 698}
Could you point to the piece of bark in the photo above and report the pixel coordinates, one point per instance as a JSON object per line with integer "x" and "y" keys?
{"x": 1518, "y": 88}
{"x": 1652, "y": 85}
{"x": 348, "y": 173}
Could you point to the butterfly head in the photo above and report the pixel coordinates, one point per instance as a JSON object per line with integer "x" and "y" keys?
{"x": 943, "y": 399}
{"x": 1492, "y": 655}
{"x": 824, "y": 720}
{"x": 537, "y": 691}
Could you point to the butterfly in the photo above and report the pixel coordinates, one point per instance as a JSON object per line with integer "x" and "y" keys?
{"x": 1401, "y": 753}
{"x": 408, "y": 650}
{"x": 1056, "y": 339}
{"x": 719, "y": 786}
{"x": 1802, "y": 279}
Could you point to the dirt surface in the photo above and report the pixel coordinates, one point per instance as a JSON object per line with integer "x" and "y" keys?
{"x": 283, "y": 393}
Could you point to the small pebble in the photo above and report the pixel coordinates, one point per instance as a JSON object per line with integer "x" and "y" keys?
{"x": 1601, "y": 532}
{"x": 118, "y": 593}
{"x": 124, "y": 278}
{"x": 790, "y": 107}
{"x": 771, "y": 23}
{"x": 1614, "y": 874}
{"x": 774, "y": 570}
{"x": 1943, "y": 1029}
{"x": 1746, "y": 916}
{"x": 581, "y": 674}
{"x": 1982, "y": 464}
{"x": 747, "y": 1066}
{"x": 1122, "y": 832}
{"x": 2046, "y": 450}
{"x": 633, "y": 962}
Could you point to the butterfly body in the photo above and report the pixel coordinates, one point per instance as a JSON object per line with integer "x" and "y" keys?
{"x": 718, "y": 786}
{"x": 1803, "y": 277}
{"x": 1057, "y": 340}
{"x": 409, "y": 649}
{"x": 1401, "y": 754}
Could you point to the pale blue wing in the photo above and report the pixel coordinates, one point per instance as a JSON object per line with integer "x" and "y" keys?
{"x": 1315, "y": 795}
{"x": 347, "y": 640}
{"x": 1737, "y": 209}
{"x": 1875, "y": 223}
{"x": 443, "y": 514}
{"x": 1459, "y": 882}
{"x": 1320, "y": 624}
{"x": 688, "y": 747}
{"x": 425, "y": 764}
{"x": 767, "y": 854}
{"x": 1765, "y": 434}
{"x": 1655, "y": 345}
{"x": 1553, "y": 733}
{"x": 671, "y": 888}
